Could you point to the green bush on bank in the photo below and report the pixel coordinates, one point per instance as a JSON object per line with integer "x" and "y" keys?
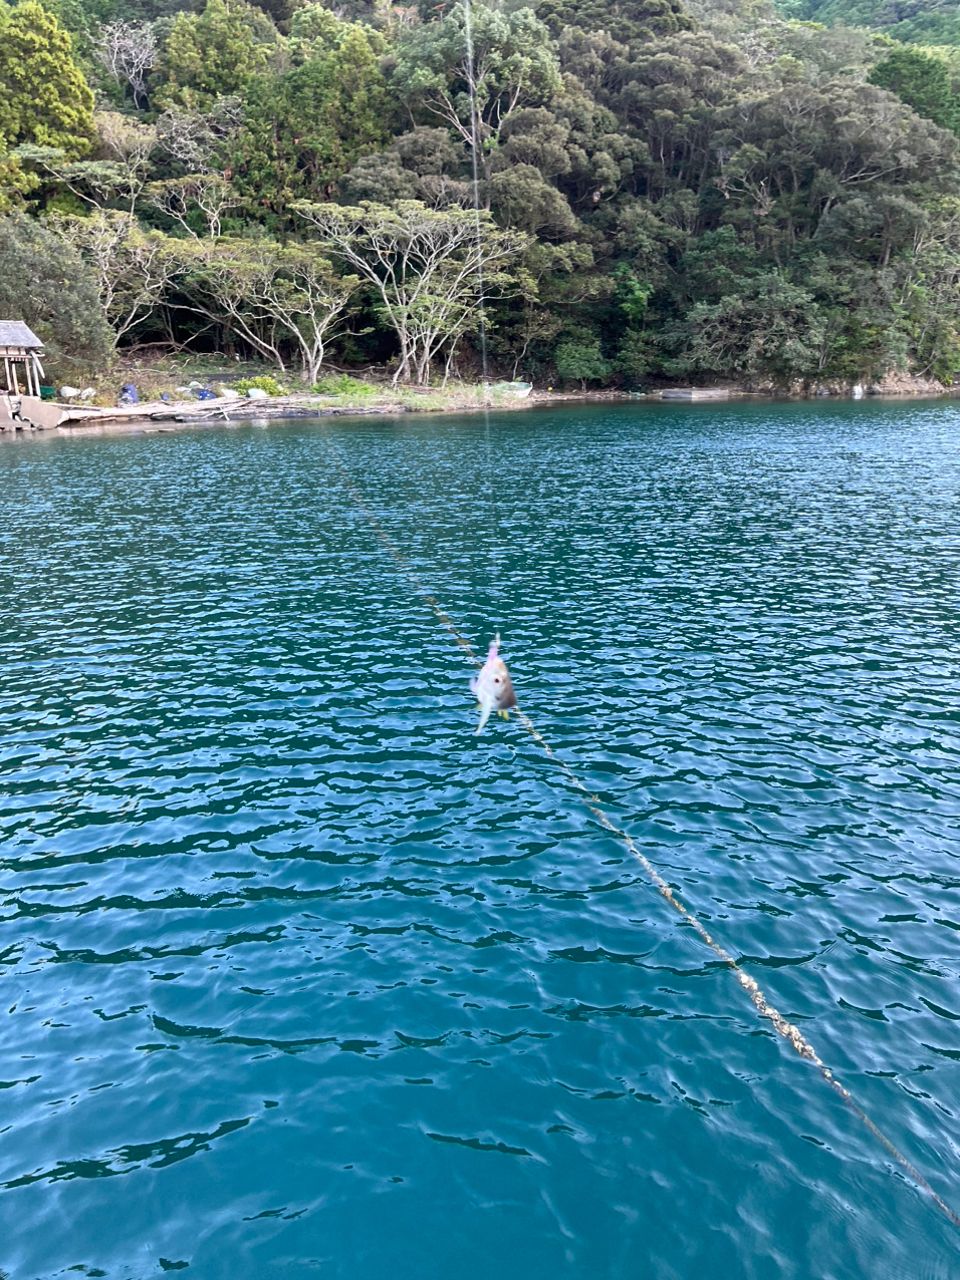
{"x": 265, "y": 382}
{"x": 342, "y": 384}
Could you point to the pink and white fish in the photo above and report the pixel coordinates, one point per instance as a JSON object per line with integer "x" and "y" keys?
{"x": 492, "y": 686}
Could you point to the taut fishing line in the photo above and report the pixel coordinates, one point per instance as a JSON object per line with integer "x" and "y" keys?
{"x": 764, "y": 1007}
{"x": 476, "y": 142}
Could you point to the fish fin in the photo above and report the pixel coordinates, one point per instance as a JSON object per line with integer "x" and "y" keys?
{"x": 485, "y": 709}
{"x": 504, "y": 715}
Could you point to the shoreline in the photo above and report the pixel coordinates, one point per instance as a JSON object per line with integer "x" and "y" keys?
{"x": 156, "y": 417}
{"x": 160, "y": 417}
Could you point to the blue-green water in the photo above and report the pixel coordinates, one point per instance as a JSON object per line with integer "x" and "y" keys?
{"x": 300, "y": 978}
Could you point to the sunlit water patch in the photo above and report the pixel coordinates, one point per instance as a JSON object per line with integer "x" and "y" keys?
{"x": 302, "y": 978}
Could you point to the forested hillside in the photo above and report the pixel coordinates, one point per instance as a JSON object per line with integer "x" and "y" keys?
{"x": 627, "y": 191}
{"x": 916, "y": 21}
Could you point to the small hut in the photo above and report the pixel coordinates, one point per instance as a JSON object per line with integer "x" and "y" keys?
{"x": 20, "y": 350}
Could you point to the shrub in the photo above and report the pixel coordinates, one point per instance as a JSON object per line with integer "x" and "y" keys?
{"x": 636, "y": 356}
{"x": 342, "y": 384}
{"x": 580, "y": 360}
{"x": 265, "y": 382}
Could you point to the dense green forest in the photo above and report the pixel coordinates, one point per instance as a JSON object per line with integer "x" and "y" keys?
{"x": 912, "y": 21}
{"x": 607, "y": 193}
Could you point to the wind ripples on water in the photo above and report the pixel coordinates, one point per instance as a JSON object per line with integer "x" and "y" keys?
{"x": 299, "y": 975}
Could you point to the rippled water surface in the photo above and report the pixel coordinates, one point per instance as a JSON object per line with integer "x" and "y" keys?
{"x": 301, "y": 978}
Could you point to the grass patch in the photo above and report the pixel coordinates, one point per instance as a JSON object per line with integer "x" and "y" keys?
{"x": 343, "y": 385}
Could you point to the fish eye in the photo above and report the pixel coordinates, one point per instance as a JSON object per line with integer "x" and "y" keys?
{"x": 496, "y": 680}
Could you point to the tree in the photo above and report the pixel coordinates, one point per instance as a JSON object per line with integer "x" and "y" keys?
{"x": 671, "y": 93}
{"x": 632, "y": 20}
{"x": 605, "y": 159}
{"x": 44, "y": 282}
{"x": 432, "y": 271}
{"x": 636, "y": 355}
{"x": 924, "y": 21}
{"x": 423, "y": 164}
{"x": 197, "y": 141}
{"x": 579, "y": 359}
{"x": 522, "y": 199}
{"x": 930, "y": 295}
{"x": 15, "y": 180}
{"x": 199, "y": 198}
{"x": 132, "y": 267}
{"x": 128, "y": 51}
{"x": 802, "y": 149}
{"x": 212, "y": 54}
{"x": 512, "y": 66}
{"x": 270, "y": 296}
{"x": 44, "y": 98}
{"x": 558, "y": 281}
{"x": 304, "y": 129}
{"x": 770, "y": 330}
{"x": 118, "y": 170}
{"x": 922, "y": 82}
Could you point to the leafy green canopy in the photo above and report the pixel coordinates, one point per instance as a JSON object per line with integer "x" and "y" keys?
{"x": 44, "y": 282}
{"x": 305, "y": 128}
{"x": 629, "y": 19}
{"x": 920, "y": 21}
{"x": 923, "y": 82}
{"x": 213, "y": 53}
{"x": 44, "y": 98}
{"x": 513, "y": 66}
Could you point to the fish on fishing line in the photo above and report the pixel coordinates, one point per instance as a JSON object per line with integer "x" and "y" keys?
{"x": 493, "y": 687}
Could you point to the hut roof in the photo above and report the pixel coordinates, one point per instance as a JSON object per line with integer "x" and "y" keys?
{"x": 14, "y": 333}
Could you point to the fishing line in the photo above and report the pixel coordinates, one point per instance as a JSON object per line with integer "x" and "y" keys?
{"x": 787, "y": 1030}
{"x": 475, "y": 144}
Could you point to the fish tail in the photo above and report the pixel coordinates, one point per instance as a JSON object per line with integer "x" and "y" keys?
{"x": 485, "y": 708}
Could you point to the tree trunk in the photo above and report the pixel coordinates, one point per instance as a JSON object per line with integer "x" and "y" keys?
{"x": 423, "y": 368}
{"x": 403, "y": 368}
